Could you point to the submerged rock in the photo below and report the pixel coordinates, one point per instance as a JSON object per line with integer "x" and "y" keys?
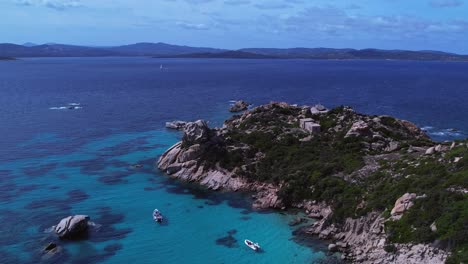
{"x": 52, "y": 253}
{"x": 296, "y": 221}
{"x": 50, "y": 247}
{"x": 72, "y": 227}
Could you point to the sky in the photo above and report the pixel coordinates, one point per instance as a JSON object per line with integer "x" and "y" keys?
{"x": 232, "y": 24}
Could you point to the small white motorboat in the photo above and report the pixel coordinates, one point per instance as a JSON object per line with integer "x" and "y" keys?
{"x": 157, "y": 216}
{"x": 252, "y": 245}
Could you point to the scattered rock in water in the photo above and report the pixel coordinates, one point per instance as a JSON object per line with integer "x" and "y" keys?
{"x": 72, "y": 227}
{"x": 239, "y": 106}
{"x": 332, "y": 247}
{"x": 50, "y": 246}
{"x": 53, "y": 253}
{"x": 296, "y": 221}
{"x": 177, "y": 124}
{"x": 136, "y": 166}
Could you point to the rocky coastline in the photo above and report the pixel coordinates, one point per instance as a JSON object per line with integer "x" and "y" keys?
{"x": 228, "y": 159}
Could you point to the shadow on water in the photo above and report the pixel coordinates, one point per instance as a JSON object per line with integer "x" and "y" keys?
{"x": 39, "y": 170}
{"x": 74, "y": 196}
{"x": 228, "y": 241}
{"x": 105, "y": 230}
{"x": 239, "y": 200}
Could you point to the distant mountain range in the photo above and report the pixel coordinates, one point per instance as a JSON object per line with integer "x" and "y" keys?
{"x": 163, "y": 50}
{"x": 6, "y": 58}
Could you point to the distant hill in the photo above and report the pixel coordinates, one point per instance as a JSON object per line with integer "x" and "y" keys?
{"x": 163, "y": 50}
{"x": 231, "y": 54}
{"x": 329, "y": 54}
{"x": 298, "y": 52}
{"x": 160, "y": 49}
{"x": 61, "y": 50}
{"x": 52, "y": 50}
{"x": 7, "y": 58}
{"x": 343, "y": 54}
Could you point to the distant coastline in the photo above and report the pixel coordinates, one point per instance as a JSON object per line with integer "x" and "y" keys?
{"x": 163, "y": 50}
{"x": 7, "y": 58}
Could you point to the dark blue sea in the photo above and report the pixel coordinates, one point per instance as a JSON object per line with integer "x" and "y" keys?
{"x": 55, "y": 162}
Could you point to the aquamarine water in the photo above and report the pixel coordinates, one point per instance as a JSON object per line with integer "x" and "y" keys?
{"x": 54, "y": 163}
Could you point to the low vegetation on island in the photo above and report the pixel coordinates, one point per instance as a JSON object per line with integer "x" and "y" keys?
{"x": 341, "y": 166}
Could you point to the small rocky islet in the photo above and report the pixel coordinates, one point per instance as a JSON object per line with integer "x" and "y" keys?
{"x": 380, "y": 189}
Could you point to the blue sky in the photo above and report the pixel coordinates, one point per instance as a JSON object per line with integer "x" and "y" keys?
{"x": 387, "y": 24}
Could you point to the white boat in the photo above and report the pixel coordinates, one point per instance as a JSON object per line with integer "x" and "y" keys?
{"x": 252, "y": 245}
{"x": 157, "y": 216}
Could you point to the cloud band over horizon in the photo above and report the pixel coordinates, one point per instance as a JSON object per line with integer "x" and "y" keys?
{"x": 386, "y": 24}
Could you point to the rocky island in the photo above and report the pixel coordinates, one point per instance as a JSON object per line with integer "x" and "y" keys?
{"x": 380, "y": 189}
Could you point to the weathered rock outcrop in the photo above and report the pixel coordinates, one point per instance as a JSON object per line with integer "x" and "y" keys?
{"x": 72, "y": 227}
{"x": 236, "y": 156}
{"x": 402, "y": 204}
{"x": 178, "y": 125}
{"x": 182, "y": 161}
{"x": 239, "y": 106}
{"x": 363, "y": 240}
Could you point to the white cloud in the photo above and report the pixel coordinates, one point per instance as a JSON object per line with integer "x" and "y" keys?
{"x": 54, "y": 4}
{"x": 192, "y": 26}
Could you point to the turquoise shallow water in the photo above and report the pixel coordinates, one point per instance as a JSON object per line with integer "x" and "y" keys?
{"x": 97, "y": 179}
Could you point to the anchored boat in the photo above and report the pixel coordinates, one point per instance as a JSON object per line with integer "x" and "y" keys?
{"x": 252, "y": 245}
{"x": 157, "y": 216}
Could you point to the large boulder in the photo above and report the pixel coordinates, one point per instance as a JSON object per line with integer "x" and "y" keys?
{"x": 72, "y": 227}
{"x": 239, "y": 106}
{"x": 402, "y": 204}
{"x": 189, "y": 154}
{"x": 196, "y": 132}
{"x": 358, "y": 128}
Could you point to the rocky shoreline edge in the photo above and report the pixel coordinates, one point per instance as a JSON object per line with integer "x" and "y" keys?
{"x": 361, "y": 240}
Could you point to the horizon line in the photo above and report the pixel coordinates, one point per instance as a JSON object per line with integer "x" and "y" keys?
{"x": 227, "y": 49}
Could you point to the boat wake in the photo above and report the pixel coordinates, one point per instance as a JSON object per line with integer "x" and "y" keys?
{"x": 69, "y": 106}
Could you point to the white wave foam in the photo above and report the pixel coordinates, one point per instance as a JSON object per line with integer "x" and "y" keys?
{"x": 58, "y": 108}
{"x": 448, "y": 133}
{"x": 427, "y": 128}
{"x": 49, "y": 230}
